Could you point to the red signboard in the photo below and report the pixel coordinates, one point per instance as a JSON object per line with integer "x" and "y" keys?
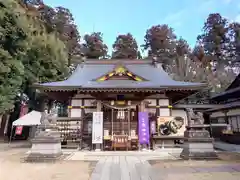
{"x": 19, "y": 130}
{"x": 23, "y": 111}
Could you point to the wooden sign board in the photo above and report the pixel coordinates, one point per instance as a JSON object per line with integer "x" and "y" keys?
{"x": 169, "y": 126}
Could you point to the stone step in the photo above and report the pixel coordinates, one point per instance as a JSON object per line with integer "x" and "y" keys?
{"x": 168, "y": 157}
{"x": 127, "y": 153}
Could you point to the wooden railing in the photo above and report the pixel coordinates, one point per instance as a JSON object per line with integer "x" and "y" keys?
{"x": 121, "y": 141}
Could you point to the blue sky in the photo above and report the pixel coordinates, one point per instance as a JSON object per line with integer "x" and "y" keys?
{"x": 113, "y": 17}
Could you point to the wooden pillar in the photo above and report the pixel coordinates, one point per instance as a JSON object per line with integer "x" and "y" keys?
{"x": 157, "y": 108}
{"x": 142, "y": 106}
{"x": 188, "y": 120}
{"x": 83, "y": 108}
{"x": 170, "y": 107}
{"x": 69, "y": 105}
{"x": 112, "y": 120}
{"x": 225, "y": 116}
{"x": 99, "y": 106}
{"x": 82, "y": 122}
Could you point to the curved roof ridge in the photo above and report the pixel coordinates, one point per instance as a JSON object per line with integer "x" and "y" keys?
{"x": 155, "y": 75}
{"x": 116, "y": 61}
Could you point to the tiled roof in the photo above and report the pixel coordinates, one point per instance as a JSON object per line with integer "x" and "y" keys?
{"x": 225, "y": 106}
{"x": 86, "y": 73}
{"x": 233, "y": 89}
{"x": 235, "y": 83}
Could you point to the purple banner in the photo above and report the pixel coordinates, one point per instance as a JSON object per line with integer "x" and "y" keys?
{"x": 153, "y": 127}
{"x": 143, "y": 127}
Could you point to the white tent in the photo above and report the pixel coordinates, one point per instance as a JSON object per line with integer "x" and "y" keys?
{"x": 30, "y": 119}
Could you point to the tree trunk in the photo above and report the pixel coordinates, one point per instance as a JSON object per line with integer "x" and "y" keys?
{"x": 1, "y": 128}
{"x": 6, "y": 125}
{"x": 1, "y": 124}
{"x": 1, "y": 121}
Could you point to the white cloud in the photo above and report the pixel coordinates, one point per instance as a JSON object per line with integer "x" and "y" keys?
{"x": 207, "y": 5}
{"x": 175, "y": 19}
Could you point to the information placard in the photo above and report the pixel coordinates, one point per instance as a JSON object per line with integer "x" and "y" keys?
{"x": 97, "y": 128}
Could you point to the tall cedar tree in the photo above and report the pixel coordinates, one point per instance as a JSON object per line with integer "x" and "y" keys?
{"x": 200, "y": 57}
{"x": 12, "y": 46}
{"x": 181, "y": 63}
{"x": 61, "y": 21}
{"x": 125, "y": 47}
{"x": 218, "y": 48}
{"x": 64, "y": 24}
{"x": 46, "y": 60}
{"x": 214, "y": 38}
{"x": 234, "y": 47}
{"x": 94, "y": 48}
{"x": 160, "y": 41}
{"x": 31, "y": 54}
{"x": 182, "y": 67}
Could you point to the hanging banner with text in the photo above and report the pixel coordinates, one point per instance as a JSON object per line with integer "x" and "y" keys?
{"x": 143, "y": 127}
{"x": 18, "y": 130}
{"x": 97, "y": 128}
{"x": 153, "y": 127}
{"x": 23, "y": 112}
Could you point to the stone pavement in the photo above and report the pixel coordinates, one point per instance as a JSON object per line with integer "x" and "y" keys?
{"x": 122, "y": 168}
{"x": 226, "y": 146}
{"x": 137, "y": 168}
{"x": 172, "y": 154}
{"x": 163, "y": 164}
{"x": 197, "y": 170}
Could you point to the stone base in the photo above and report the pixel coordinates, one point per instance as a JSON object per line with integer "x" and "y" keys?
{"x": 45, "y": 149}
{"x": 199, "y": 154}
{"x": 198, "y": 145}
{"x": 2, "y": 140}
{"x": 38, "y": 157}
{"x": 44, "y": 152}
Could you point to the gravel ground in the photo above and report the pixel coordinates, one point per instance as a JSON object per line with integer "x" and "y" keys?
{"x": 227, "y": 167}
{"x": 12, "y": 167}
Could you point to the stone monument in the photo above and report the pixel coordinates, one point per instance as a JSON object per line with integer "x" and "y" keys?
{"x": 197, "y": 141}
{"x": 46, "y": 145}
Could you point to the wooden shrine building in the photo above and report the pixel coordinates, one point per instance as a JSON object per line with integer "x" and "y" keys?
{"x": 228, "y": 113}
{"x": 121, "y": 89}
